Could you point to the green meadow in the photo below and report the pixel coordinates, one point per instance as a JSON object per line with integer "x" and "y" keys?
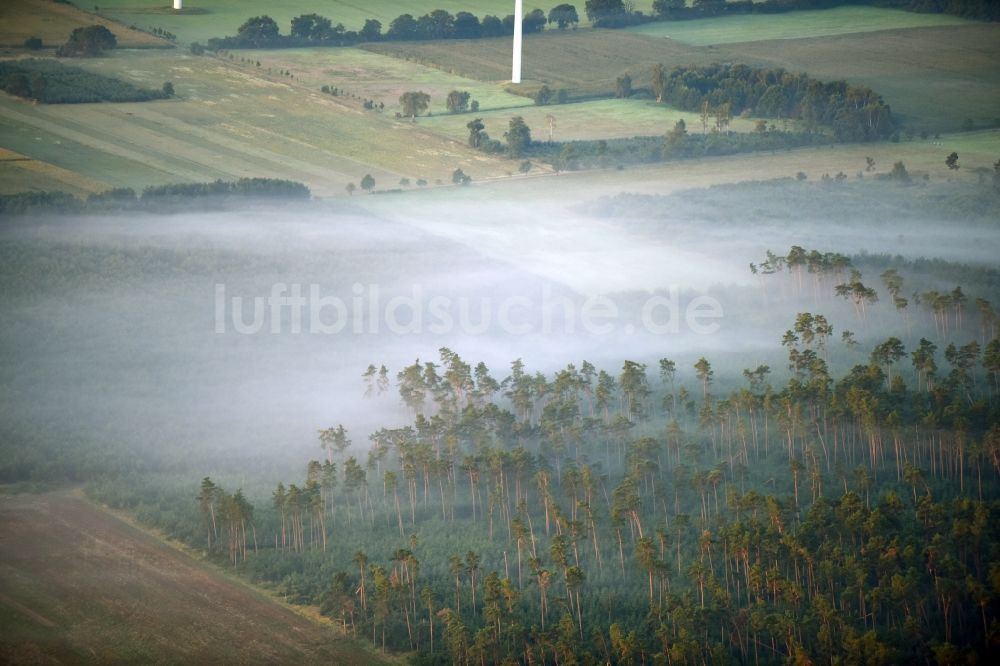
{"x": 793, "y": 25}
{"x": 598, "y": 119}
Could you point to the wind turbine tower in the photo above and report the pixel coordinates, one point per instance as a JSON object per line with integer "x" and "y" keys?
{"x": 515, "y": 75}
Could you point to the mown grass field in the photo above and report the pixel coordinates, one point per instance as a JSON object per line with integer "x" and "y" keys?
{"x": 53, "y": 22}
{"x": 383, "y": 79}
{"x": 223, "y": 17}
{"x": 933, "y": 78}
{"x": 977, "y": 150}
{"x": 233, "y": 118}
{"x": 229, "y": 121}
{"x": 598, "y": 119}
{"x": 793, "y": 25}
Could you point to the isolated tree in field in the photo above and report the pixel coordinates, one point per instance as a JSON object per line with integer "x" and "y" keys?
{"x": 899, "y": 173}
{"x": 518, "y": 137}
{"x": 458, "y": 101}
{"x": 543, "y": 96}
{"x": 459, "y": 178}
{"x": 92, "y": 40}
{"x": 414, "y": 103}
{"x": 350, "y": 187}
{"x": 659, "y": 82}
{"x": 475, "y": 128}
{"x": 564, "y": 16}
{"x": 368, "y": 183}
{"x": 952, "y": 162}
{"x": 258, "y": 31}
{"x": 623, "y": 86}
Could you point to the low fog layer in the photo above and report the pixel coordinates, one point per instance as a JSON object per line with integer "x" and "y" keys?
{"x": 112, "y": 327}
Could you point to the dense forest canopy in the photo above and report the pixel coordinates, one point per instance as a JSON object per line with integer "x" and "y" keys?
{"x": 855, "y": 113}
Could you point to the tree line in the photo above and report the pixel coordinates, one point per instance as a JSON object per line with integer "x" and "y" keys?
{"x": 176, "y": 196}
{"x": 51, "y": 82}
{"x": 666, "y": 514}
{"x": 316, "y": 30}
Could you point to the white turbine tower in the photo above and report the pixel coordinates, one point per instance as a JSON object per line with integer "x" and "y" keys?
{"x": 515, "y": 75}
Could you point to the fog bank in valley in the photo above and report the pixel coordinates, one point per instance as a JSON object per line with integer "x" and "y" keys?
{"x": 181, "y": 332}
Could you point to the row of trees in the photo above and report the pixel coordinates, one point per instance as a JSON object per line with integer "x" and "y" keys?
{"x": 155, "y": 198}
{"x": 603, "y": 153}
{"x": 313, "y": 29}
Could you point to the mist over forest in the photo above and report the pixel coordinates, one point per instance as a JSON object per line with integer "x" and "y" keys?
{"x": 113, "y": 320}
{"x": 333, "y": 333}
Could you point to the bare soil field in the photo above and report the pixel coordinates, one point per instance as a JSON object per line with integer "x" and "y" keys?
{"x": 79, "y": 585}
{"x": 53, "y": 22}
{"x": 934, "y": 78}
